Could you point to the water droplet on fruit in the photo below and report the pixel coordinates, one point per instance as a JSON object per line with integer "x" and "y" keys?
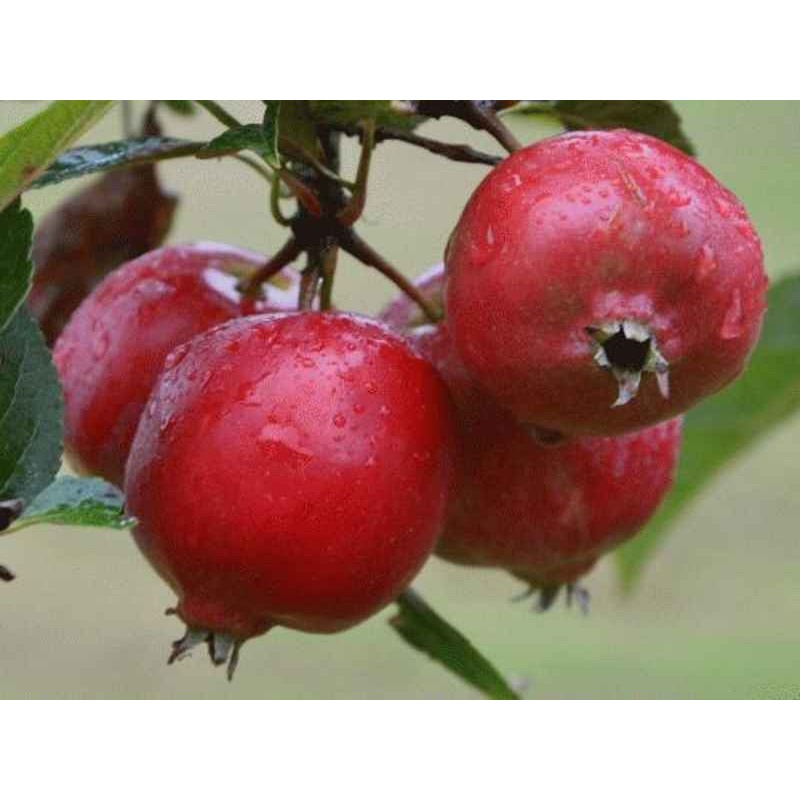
{"x": 733, "y": 324}
{"x": 370, "y": 387}
{"x": 339, "y": 421}
{"x": 358, "y": 408}
{"x": 176, "y": 356}
{"x": 707, "y": 262}
{"x": 100, "y": 342}
{"x": 489, "y": 236}
{"x": 384, "y": 411}
{"x": 678, "y": 199}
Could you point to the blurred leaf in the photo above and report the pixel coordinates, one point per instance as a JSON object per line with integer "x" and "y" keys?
{"x": 77, "y": 501}
{"x": 350, "y": 112}
{"x": 655, "y": 117}
{"x": 183, "y": 107}
{"x": 126, "y": 153}
{"x": 723, "y": 426}
{"x": 26, "y": 151}
{"x": 30, "y": 411}
{"x": 16, "y": 228}
{"x": 425, "y": 630}
{"x": 107, "y": 223}
{"x": 298, "y": 129}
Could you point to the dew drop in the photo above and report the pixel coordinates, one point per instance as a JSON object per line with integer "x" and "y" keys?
{"x": 707, "y": 262}
{"x": 384, "y": 411}
{"x": 733, "y": 324}
{"x": 358, "y": 408}
{"x": 339, "y": 421}
{"x": 176, "y": 356}
{"x": 100, "y": 343}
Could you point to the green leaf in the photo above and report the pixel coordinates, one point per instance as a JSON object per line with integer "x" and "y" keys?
{"x": 244, "y": 137}
{"x": 270, "y": 129}
{"x": 16, "y": 232}
{"x": 351, "y": 112}
{"x": 655, "y": 117}
{"x": 724, "y": 426}
{"x": 425, "y": 630}
{"x": 77, "y": 501}
{"x": 30, "y": 411}
{"x": 114, "y": 155}
{"x": 27, "y": 150}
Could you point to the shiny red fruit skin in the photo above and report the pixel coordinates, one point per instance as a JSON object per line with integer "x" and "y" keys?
{"x": 544, "y": 513}
{"x": 291, "y": 470}
{"x": 584, "y": 228}
{"x": 112, "y": 350}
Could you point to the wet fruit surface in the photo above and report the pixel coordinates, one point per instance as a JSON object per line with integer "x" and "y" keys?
{"x": 290, "y": 470}
{"x": 543, "y": 512}
{"x": 111, "y": 352}
{"x": 600, "y": 282}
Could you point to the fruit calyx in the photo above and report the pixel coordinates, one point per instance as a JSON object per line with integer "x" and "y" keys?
{"x": 222, "y": 648}
{"x": 628, "y": 349}
{"x": 547, "y": 595}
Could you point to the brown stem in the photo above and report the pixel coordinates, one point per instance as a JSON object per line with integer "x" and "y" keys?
{"x": 477, "y": 114}
{"x": 304, "y": 194}
{"x": 329, "y": 259}
{"x": 288, "y": 253}
{"x": 309, "y": 281}
{"x": 358, "y": 248}
{"x": 355, "y": 206}
{"x": 454, "y": 152}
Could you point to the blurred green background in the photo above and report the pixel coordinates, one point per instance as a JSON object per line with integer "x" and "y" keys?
{"x": 714, "y": 615}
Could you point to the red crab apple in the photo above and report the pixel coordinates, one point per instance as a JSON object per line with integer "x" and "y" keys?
{"x": 289, "y": 470}
{"x": 601, "y": 282}
{"x": 544, "y": 513}
{"x": 113, "y": 348}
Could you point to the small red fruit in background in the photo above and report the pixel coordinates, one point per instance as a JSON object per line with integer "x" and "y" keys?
{"x": 291, "y": 470}
{"x": 601, "y": 282}
{"x": 544, "y": 513}
{"x": 113, "y": 348}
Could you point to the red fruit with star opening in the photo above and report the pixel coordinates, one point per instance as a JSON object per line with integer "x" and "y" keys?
{"x": 544, "y": 513}
{"x": 289, "y": 470}
{"x": 601, "y": 282}
{"x": 113, "y": 348}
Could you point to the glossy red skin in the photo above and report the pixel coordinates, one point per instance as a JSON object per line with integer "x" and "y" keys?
{"x": 544, "y": 513}
{"x": 586, "y": 228}
{"x": 291, "y": 470}
{"x": 113, "y": 348}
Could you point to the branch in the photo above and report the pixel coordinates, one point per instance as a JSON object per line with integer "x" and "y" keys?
{"x": 455, "y": 152}
{"x": 219, "y": 113}
{"x": 358, "y": 248}
{"x": 476, "y": 113}
{"x": 288, "y": 253}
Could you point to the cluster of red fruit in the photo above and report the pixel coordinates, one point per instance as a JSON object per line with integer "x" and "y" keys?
{"x": 298, "y": 468}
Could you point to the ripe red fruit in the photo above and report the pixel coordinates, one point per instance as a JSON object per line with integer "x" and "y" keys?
{"x": 113, "y": 348}
{"x": 591, "y": 257}
{"x": 290, "y": 469}
{"x": 544, "y": 513}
